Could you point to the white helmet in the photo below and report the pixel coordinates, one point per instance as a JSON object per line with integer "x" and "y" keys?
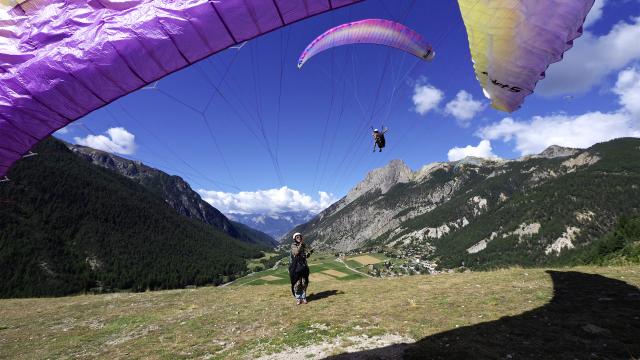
{"x": 375, "y": 130}
{"x": 296, "y": 234}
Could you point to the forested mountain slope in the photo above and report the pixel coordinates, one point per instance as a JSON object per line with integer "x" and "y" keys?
{"x": 69, "y": 226}
{"x": 175, "y": 191}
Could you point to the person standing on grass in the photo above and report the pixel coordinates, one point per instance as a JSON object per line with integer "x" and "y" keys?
{"x": 298, "y": 269}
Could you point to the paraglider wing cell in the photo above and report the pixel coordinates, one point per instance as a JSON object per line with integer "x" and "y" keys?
{"x": 513, "y": 42}
{"x": 61, "y": 59}
{"x": 370, "y": 31}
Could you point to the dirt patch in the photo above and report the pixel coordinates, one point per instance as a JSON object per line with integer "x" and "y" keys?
{"x": 136, "y": 333}
{"x": 366, "y": 260}
{"x": 335, "y": 273}
{"x": 352, "y": 344}
{"x": 319, "y": 277}
{"x": 270, "y": 278}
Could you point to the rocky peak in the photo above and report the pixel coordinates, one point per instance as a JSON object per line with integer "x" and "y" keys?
{"x": 395, "y": 172}
{"x": 426, "y": 171}
{"x": 129, "y": 168}
{"x": 477, "y": 161}
{"x": 554, "y": 151}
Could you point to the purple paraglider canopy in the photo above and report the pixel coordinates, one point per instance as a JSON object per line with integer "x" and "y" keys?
{"x": 61, "y": 59}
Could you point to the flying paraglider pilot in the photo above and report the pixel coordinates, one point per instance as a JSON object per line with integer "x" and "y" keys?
{"x": 378, "y": 139}
{"x": 298, "y": 269}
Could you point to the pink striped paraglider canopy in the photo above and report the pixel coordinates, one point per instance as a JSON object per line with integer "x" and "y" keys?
{"x": 370, "y": 31}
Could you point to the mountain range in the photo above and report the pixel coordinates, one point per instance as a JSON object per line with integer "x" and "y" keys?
{"x": 77, "y": 219}
{"x": 259, "y": 228}
{"x": 274, "y": 224}
{"x": 486, "y": 212}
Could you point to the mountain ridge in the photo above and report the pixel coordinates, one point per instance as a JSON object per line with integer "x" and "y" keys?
{"x": 175, "y": 191}
{"x": 448, "y": 208}
{"x": 274, "y": 224}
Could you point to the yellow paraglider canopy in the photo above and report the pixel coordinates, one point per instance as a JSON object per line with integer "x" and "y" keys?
{"x": 513, "y": 42}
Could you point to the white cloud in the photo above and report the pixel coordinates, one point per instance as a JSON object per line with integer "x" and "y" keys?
{"x": 591, "y": 59}
{"x": 118, "y": 140}
{"x": 270, "y": 201}
{"x": 483, "y": 150}
{"x": 426, "y": 98}
{"x": 595, "y": 14}
{"x": 580, "y": 131}
{"x": 628, "y": 88}
{"x": 464, "y": 108}
{"x": 68, "y": 129}
{"x": 326, "y": 199}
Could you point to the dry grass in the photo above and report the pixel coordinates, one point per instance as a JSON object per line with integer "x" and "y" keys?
{"x": 248, "y": 321}
{"x": 366, "y": 260}
{"x": 335, "y": 273}
{"x": 271, "y": 278}
{"x": 319, "y": 277}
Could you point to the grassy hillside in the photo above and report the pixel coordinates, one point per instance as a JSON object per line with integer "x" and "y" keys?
{"x": 322, "y": 267}
{"x": 69, "y": 226}
{"x": 585, "y": 312}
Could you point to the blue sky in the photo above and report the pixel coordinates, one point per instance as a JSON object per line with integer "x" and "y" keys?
{"x": 288, "y": 139}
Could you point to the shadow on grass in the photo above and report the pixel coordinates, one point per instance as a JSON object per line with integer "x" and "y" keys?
{"x": 323, "y": 294}
{"x": 589, "y": 317}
